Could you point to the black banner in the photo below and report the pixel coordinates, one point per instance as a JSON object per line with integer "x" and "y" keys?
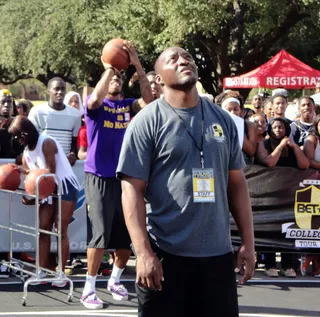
{"x": 273, "y": 193}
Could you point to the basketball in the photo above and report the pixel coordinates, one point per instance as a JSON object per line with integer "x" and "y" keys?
{"x": 46, "y": 185}
{"x": 10, "y": 177}
{"x": 114, "y": 54}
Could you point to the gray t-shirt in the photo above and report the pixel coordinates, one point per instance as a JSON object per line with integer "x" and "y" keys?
{"x": 158, "y": 150}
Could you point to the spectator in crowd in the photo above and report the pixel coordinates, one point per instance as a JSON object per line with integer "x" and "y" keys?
{"x": 300, "y": 129}
{"x": 218, "y": 98}
{"x": 107, "y": 117}
{"x": 280, "y": 92}
{"x": 183, "y": 236}
{"x": 279, "y": 104}
{"x": 256, "y": 103}
{"x": 233, "y": 103}
{"x": 155, "y": 87}
{"x": 42, "y": 151}
{"x": 261, "y": 125}
{"x": 247, "y": 113}
{"x": 317, "y": 89}
{"x": 311, "y": 149}
{"x": 73, "y": 99}
{"x": 279, "y": 150}
{"x": 23, "y": 107}
{"x": 10, "y": 149}
{"x": 82, "y": 142}
{"x": 268, "y": 109}
{"x": 58, "y": 120}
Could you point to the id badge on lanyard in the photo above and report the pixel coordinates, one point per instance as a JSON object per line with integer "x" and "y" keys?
{"x": 202, "y": 178}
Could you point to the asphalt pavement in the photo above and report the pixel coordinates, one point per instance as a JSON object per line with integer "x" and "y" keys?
{"x": 261, "y": 297}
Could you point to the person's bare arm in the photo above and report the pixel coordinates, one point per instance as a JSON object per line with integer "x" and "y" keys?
{"x": 145, "y": 87}
{"x": 82, "y": 153}
{"x": 100, "y": 91}
{"x": 49, "y": 150}
{"x": 302, "y": 161}
{"x": 309, "y": 151}
{"x": 270, "y": 160}
{"x": 250, "y": 143}
{"x": 149, "y": 269}
{"x": 240, "y": 208}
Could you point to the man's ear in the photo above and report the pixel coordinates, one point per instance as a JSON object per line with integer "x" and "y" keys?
{"x": 159, "y": 80}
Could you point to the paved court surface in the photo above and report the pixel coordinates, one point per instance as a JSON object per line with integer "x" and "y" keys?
{"x": 262, "y": 297}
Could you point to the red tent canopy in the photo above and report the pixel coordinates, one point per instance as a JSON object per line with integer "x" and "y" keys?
{"x": 282, "y": 70}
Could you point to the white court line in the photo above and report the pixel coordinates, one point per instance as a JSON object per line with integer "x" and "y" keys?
{"x": 267, "y": 315}
{"x": 113, "y": 313}
{"x": 254, "y": 281}
{"x": 98, "y": 312}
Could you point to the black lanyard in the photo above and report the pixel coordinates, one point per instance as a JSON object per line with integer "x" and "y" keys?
{"x": 202, "y": 132}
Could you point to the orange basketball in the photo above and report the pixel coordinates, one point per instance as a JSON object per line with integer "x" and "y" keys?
{"x": 114, "y": 54}
{"x": 46, "y": 185}
{"x": 10, "y": 176}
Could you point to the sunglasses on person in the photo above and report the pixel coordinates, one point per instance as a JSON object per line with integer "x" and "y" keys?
{"x": 19, "y": 135}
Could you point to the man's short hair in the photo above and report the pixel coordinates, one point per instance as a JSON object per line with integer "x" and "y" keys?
{"x": 278, "y": 95}
{"x": 280, "y": 91}
{"x": 54, "y": 79}
{"x": 306, "y": 97}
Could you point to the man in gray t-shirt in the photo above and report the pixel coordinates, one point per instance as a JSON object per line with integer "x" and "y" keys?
{"x": 182, "y": 155}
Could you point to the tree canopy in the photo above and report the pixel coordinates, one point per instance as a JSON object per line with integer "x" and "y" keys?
{"x": 47, "y": 38}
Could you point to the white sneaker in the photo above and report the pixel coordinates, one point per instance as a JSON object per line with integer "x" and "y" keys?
{"x": 91, "y": 301}
{"x": 42, "y": 274}
{"x": 59, "y": 282}
{"x": 118, "y": 291}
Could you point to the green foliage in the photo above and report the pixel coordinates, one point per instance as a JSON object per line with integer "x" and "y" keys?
{"x": 45, "y": 38}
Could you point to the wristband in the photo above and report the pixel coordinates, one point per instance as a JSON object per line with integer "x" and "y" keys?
{"x": 110, "y": 67}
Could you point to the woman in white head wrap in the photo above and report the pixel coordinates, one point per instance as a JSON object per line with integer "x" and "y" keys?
{"x": 232, "y": 103}
{"x": 73, "y": 99}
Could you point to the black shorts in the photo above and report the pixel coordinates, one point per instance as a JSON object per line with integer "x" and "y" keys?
{"x": 106, "y": 225}
{"x": 192, "y": 287}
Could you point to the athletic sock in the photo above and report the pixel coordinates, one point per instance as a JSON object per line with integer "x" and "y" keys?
{"x": 90, "y": 285}
{"x": 115, "y": 275}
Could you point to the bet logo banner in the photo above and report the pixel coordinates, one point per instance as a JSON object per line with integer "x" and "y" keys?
{"x": 307, "y": 208}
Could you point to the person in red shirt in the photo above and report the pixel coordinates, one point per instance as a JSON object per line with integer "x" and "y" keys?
{"x": 82, "y": 143}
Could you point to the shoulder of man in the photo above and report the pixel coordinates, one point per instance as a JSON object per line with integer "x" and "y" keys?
{"x": 72, "y": 111}
{"x": 39, "y": 108}
{"x": 222, "y": 114}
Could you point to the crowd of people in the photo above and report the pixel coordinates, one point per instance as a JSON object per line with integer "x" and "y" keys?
{"x": 279, "y": 137}
{"x": 164, "y": 183}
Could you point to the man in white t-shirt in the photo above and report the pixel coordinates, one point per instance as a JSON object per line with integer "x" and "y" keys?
{"x": 58, "y": 120}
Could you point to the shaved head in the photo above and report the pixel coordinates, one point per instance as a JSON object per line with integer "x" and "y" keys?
{"x": 176, "y": 69}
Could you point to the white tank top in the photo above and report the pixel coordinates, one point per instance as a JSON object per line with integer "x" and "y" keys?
{"x": 35, "y": 159}
{"x": 317, "y": 152}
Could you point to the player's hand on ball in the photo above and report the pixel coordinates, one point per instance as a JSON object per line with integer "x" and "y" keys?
{"x": 105, "y": 65}
{"x": 131, "y": 50}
